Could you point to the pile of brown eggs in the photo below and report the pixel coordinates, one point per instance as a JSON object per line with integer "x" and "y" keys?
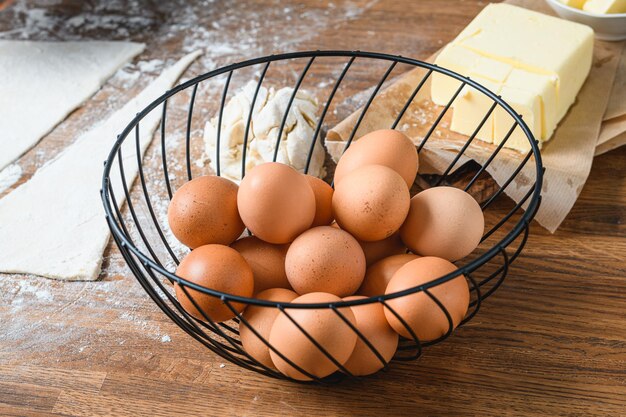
{"x": 313, "y": 244}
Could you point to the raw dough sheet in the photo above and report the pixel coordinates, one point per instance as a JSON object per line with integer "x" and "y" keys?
{"x": 42, "y": 82}
{"x": 53, "y": 225}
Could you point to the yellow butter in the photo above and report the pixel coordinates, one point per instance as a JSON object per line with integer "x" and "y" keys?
{"x": 470, "y": 107}
{"x": 456, "y": 59}
{"x": 539, "y": 61}
{"x": 494, "y": 71}
{"x": 545, "y": 88}
{"x": 525, "y": 103}
{"x": 536, "y": 43}
{"x": 605, "y": 6}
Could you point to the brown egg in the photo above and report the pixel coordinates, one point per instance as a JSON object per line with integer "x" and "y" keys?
{"x": 219, "y": 268}
{"x": 276, "y": 202}
{"x": 324, "y": 326}
{"x": 387, "y": 147}
{"x": 444, "y": 222}
{"x": 379, "y": 249}
{"x": 204, "y": 211}
{"x": 371, "y": 322}
{"x": 378, "y": 275}
{"x": 419, "y": 311}
{"x": 323, "y": 201}
{"x": 325, "y": 259}
{"x": 261, "y": 320}
{"x": 371, "y": 202}
{"x": 266, "y": 260}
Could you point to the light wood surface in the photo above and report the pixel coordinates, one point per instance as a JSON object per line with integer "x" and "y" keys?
{"x": 551, "y": 341}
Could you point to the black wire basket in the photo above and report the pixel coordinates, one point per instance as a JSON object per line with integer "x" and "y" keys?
{"x": 141, "y": 233}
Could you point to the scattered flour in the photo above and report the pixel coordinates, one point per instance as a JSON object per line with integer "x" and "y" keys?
{"x": 154, "y": 65}
{"x": 126, "y": 77}
{"x": 116, "y": 19}
{"x": 44, "y": 295}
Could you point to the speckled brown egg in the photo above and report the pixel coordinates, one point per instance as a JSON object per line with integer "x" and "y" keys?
{"x": 418, "y": 310}
{"x": 371, "y": 202}
{"x": 444, "y": 222}
{"x": 325, "y": 259}
{"x": 378, "y": 275}
{"x": 324, "y": 326}
{"x": 323, "y": 201}
{"x": 379, "y": 249}
{"x": 204, "y": 211}
{"x": 387, "y": 147}
{"x": 219, "y": 268}
{"x": 276, "y": 202}
{"x": 267, "y": 261}
{"x": 371, "y": 322}
{"x": 261, "y": 320}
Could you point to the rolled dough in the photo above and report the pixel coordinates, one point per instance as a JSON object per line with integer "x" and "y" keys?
{"x": 53, "y": 225}
{"x": 42, "y": 82}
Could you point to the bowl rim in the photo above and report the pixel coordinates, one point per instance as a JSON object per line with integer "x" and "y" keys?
{"x": 523, "y": 223}
{"x": 581, "y": 12}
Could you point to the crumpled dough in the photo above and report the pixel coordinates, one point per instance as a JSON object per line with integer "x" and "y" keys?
{"x": 267, "y": 116}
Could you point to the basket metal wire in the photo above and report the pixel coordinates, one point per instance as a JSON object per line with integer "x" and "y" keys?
{"x": 149, "y": 250}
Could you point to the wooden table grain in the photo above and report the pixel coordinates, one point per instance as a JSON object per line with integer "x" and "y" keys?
{"x": 551, "y": 341}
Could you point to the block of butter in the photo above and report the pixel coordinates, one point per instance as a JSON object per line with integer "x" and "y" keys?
{"x": 536, "y": 62}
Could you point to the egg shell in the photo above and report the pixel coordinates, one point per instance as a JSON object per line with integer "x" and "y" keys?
{"x": 267, "y": 261}
{"x": 378, "y": 275}
{"x": 371, "y": 202}
{"x": 380, "y": 249}
{"x": 204, "y": 211}
{"x": 323, "y": 201}
{"x": 371, "y": 322}
{"x": 276, "y": 202}
{"x": 387, "y": 147}
{"x": 444, "y": 222}
{"x": 324, "y": 326}
{"x": 418, "y": 310}
{"x": 219, "y": 268}
{"x": 261, "y": 320}
{"x": 325, "y": 259}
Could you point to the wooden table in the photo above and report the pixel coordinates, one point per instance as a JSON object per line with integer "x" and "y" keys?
{"x": 551, "y": 341}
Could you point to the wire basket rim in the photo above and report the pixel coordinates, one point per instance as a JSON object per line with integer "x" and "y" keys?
{"x": 523, "y": 222}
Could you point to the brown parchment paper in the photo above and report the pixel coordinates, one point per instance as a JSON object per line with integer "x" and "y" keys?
{"x": 617, "y": 102}
{"x": 613, "y": 130}
{"x": 567, "y": 157}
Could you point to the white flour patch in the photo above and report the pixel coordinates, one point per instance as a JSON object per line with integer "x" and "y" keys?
{"x": 126, "y": 77}
{"x": 147, "y": 328}
{"x": 153, "y": 65}
{"x": 44, "y": 295}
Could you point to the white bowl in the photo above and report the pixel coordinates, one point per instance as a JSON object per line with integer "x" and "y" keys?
{"x": 608, "y": 27}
